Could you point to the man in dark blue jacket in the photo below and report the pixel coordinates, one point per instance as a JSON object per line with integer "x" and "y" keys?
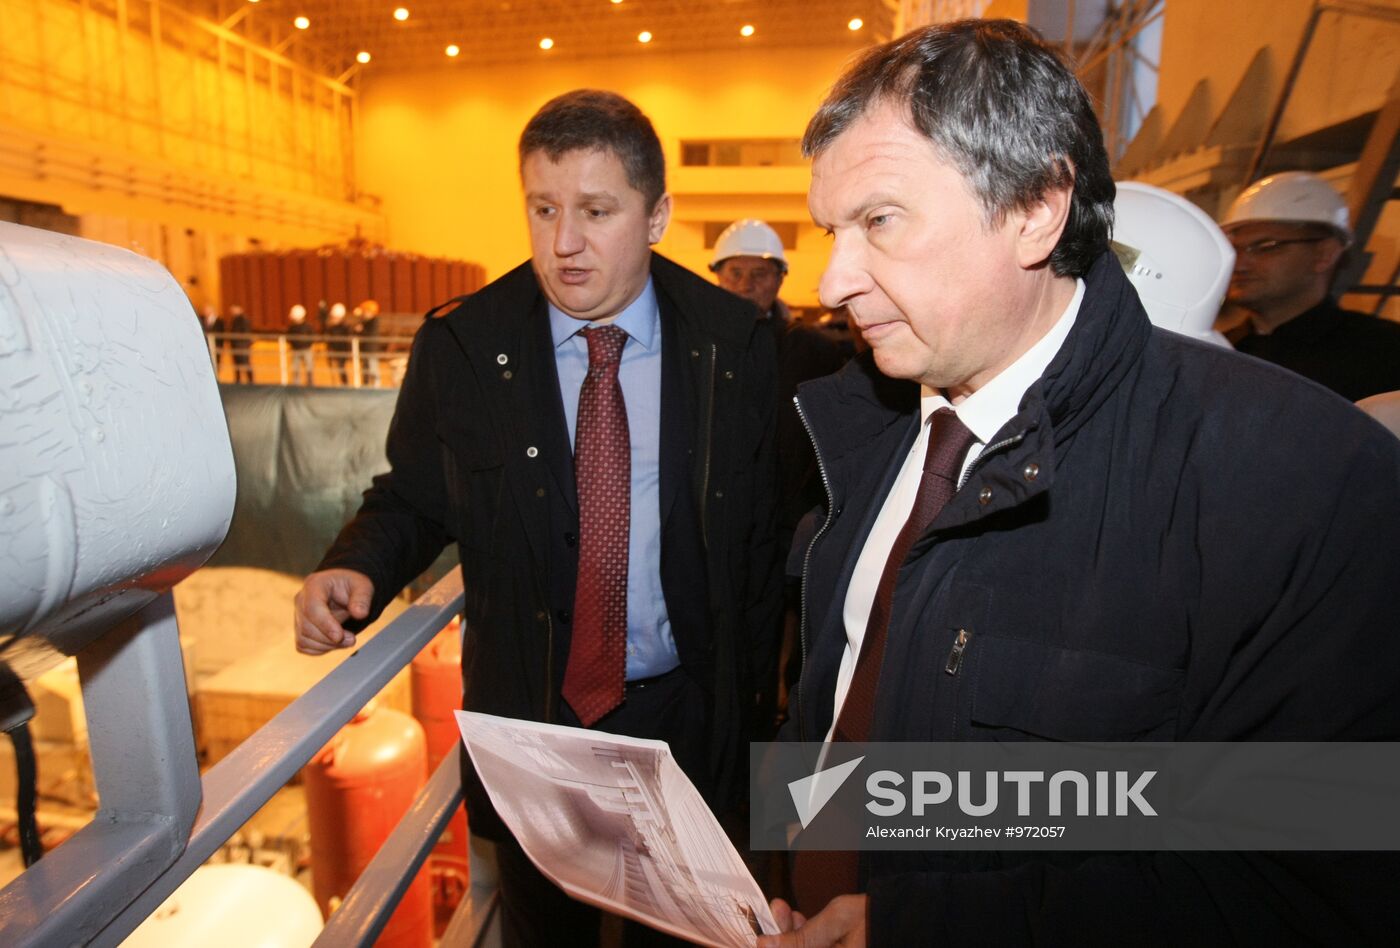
{"x": 1136, "y": 536}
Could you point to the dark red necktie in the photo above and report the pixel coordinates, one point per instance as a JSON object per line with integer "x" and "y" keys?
{"x": 593, "y": 678}
{"x": 818, "y": 877}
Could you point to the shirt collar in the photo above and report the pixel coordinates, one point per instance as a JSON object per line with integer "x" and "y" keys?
{"x": 994, "y": 404}
{"x": 640, "y": 320}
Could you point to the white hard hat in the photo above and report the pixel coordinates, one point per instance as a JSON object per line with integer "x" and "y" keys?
{"x": 1293, "y": 197}
{"x": 297, "y": 312}
{"x": 749, "y": 238}
{"x": 1175, "y": 256}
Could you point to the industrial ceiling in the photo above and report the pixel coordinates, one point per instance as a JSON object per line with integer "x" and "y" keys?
{"x": 493, "y": 32}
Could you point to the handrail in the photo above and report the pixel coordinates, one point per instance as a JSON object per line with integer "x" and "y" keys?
{"x": 143, "y": 759}
{"x": 239, "y": 785}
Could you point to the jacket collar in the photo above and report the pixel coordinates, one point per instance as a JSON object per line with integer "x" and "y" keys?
{"x": 1309, "y": 327}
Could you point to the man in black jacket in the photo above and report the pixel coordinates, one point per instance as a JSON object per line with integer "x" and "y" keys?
{"x": 1291, "y": 231}
{"x": 594, "y": 431}
{"x": 1136, "y": 536}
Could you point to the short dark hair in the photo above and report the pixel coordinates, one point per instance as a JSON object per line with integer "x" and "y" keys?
{"x": 594, "y": 120}
{"x": 1003, "y": 108}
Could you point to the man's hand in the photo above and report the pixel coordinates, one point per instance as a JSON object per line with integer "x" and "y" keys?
{"x": 841, "y": 923}
{"x": 326, "y": 600}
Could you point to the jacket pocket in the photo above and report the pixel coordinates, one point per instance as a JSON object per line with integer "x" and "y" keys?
{"x": 1066, "y": 694}
{"x": 474, "y": 471}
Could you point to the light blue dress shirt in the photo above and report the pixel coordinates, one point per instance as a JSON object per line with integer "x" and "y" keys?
{"x": 651, "y": 649}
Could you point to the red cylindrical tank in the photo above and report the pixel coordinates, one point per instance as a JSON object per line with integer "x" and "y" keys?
{"x": 358, "y": 787}
{"x": 437, "y": 691}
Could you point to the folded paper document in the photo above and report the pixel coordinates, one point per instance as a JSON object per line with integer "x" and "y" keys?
{"x": 615, "y": 822}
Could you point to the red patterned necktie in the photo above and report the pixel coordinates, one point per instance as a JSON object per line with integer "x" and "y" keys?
{"x": 593, "y": 678}
{"x": 819, "y": 876}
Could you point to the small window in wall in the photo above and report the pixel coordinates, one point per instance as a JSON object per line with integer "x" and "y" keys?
{"x": 742, "y": 153}
{"x": 787, "y": 232}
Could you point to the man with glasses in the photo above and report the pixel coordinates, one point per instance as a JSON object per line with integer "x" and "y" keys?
{"x": 1290, "y": 232}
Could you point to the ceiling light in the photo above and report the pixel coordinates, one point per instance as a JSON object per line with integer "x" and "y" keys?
{"x": 401, "y": 13}
{"x": 452, "y": 50}
{"x": 546, "y": 43}
{"x": 362, "y": 56}
{"x": 616, "y": 1}
{"x": 855, "y": 24}
{"x": 644, "y": 36}
{"x": 746, "y": 30}
{"x": 301, "y": 23}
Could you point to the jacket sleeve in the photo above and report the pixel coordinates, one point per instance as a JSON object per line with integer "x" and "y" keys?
{"x": 404, "y": 520}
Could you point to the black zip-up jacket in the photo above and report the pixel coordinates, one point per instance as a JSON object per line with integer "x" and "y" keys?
{"x": 1353, "y": 354}
{"x": 1168, "y": 542}
{"x": 480, "y": 456}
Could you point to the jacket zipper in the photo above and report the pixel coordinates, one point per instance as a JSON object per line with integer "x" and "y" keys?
{"x": 806, "y": 561}
{"x": 986, "y": 453}
{"x": 955, "y": 657}
{"x": 709, "y": 446}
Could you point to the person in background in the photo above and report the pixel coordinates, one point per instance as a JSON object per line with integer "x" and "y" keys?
{"x": 594, "y": 431}
{"x": 1050, "y": 521}
{"x": 1291, "y": 232}
{"x": 213, "y": 325}
{"x": 299, "y": 334}
{"x": 338, "y": 342}
{"x": 749, "y": 262}
{"x": 240, "y": 329}
{"x": 367, "y": 328}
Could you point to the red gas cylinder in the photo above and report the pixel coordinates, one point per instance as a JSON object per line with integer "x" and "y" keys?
{"x": 437, "y": 692}
{"x": 357, "y": 789}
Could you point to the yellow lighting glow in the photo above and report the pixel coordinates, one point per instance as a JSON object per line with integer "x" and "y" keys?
{"x": 546, "y": 43}
{"x": 452, "y": 50}
{"x": 301, "y": 23}
{"x": 855, "y": 24}
{"x": 616, "y": 1}
{"x": 362, "y": 57}
{"x": 401, "y": 13}
{"x": 644, "y": 36}
{"x": 746, "y": 30}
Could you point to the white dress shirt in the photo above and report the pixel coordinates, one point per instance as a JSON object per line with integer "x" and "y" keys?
{"x": 984, "y": 412}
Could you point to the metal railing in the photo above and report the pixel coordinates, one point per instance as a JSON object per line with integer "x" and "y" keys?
{"x": 91, "y": 890}
{"x": 323, "y": 360}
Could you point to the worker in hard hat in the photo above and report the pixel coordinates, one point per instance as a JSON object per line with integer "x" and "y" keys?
{"x": 1176, "y": 257}
{"x": 366, "y": 327}
{"x": 299, "y": 338}
{"x": 749, "y": 262}
{"x": 1290, "y": 231}
{"x": 338, "y": 347}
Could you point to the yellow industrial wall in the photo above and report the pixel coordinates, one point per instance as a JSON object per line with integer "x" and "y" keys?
{"x": 438, "y": 147}
{"x": 164, "y": 134}
{"x": 1213, "y": 92}
{"x": 1349, "y": 70}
